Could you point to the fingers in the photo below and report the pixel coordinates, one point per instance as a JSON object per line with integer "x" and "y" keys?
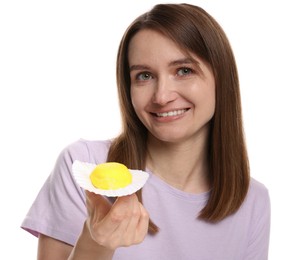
{"x": 128, "y": 227}
{"x": 97, "y": 205}
{"x": 120, "y": 214}
{"x": 137, "y": 227}
{"x": 143, "y": 225}
{"x": 126, "y": 222}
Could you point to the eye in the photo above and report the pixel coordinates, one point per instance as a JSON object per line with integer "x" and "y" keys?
{"x": 184, "y": 71}
{"x": 143, "y": 76}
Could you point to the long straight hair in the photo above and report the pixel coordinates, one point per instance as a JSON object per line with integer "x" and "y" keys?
{"x": 194, "y": 31}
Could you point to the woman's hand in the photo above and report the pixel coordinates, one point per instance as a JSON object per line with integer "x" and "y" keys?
{"x": 123, "y": 223}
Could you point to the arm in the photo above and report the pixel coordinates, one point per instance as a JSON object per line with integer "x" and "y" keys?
{"x": 87, "y": 248}
{"x": 52, "y": 249}
{"x": 259, "y": 240}
{"x": 109, "y": 226}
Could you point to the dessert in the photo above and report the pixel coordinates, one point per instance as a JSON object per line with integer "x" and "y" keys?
{"x": 109, "y": 179}
{"x": 111, "y": 175}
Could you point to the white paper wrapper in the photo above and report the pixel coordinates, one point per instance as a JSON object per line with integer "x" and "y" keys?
{"x": 82, "y": 170}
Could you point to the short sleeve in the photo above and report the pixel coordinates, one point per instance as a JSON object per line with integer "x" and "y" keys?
{"x": 59, "y": 209}
{"x": 258, "y": 246}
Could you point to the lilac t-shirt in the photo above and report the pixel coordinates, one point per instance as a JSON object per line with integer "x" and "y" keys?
{"x": 59, "y": 211}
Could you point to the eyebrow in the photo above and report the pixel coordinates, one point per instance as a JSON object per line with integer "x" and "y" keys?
{"x": 171, "y": 64}
{"x": 183, "y": 61}
{"x": 139, "y": 67}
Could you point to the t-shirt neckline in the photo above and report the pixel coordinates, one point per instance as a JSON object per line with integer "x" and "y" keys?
{"x": 164, "y": 186}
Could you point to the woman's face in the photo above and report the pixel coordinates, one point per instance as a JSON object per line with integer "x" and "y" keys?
{"x": 172, "y": 94}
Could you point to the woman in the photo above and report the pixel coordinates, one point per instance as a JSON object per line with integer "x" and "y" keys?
{"x": 180, "y": 102}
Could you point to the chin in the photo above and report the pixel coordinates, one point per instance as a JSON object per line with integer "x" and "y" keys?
{"x": 169, "y": 138}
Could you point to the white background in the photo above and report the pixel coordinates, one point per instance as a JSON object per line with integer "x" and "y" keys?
{"x": 57, "y": 84}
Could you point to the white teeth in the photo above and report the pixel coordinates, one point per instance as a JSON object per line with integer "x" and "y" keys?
{"x": 172, "y": 113}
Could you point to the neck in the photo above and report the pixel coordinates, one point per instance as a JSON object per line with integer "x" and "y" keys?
{"x": 182, "y": 165}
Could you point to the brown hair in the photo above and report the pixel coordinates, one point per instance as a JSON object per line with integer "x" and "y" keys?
{"x": 195, "y": 31}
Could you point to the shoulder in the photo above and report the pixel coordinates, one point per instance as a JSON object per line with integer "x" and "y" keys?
{"x": 257, "y": 190}
{"x": 257, "y": 201}
{"x": 86, "y": 150}
{"x": 256, "y": 212}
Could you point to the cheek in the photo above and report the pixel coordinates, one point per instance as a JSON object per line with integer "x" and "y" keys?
{"x": 211, "y": 99}
{"x": 138, "y": 99}
{"x": 203, "y": 98}
{"x": 134, "y": 98}
{"x": 210, "y": 103}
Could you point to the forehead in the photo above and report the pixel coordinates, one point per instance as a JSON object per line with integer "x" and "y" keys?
{"x": 148, "y": 43}
{"x": 151, "y": 48}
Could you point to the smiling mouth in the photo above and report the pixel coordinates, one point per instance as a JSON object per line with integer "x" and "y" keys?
{"x": 171, "y": 113}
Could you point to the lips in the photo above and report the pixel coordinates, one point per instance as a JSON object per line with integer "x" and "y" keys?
{"x": 171, "y": 113}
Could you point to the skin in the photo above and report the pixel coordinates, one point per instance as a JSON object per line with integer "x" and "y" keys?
{"x": 107, "y": 227}
{"x": 163, "y": 79}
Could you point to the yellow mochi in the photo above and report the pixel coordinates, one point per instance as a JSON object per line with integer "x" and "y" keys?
{"x": 111, "y": 176}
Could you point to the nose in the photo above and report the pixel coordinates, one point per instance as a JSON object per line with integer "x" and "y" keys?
{"x": 164, "y": 92}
